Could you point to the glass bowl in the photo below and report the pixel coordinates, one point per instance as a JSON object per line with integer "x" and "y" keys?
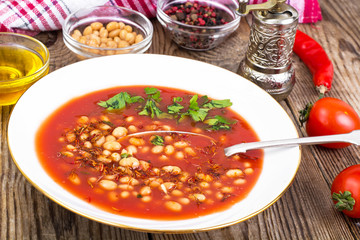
{"x": 185, "y": 29}
{"x": 93, "y": 32}
{"x": 23, "y": 61}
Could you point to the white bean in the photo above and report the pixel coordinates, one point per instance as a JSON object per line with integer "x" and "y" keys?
{"x": 108, "y": 185}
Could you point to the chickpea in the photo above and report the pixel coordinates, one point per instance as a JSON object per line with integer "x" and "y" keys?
{"x": 70, "y": 147}
{"x": 204, "y": 184}
{"x": 100, "y": 141}
{"x": 70, "y": 137}
{"x": 114, "y": 33}
{"x": 110, "y": 138}
{"x": 247, "y": 164}
{"x": 239, "y": 181}
{"x": 103, "y": 33}
{"x": 132, "y": 129}
{"x": 146, "y": 199}
{"x": 115, "y": 156}
{"x": 190, "y": 151}
{"x": 130, "y": 38}
{"x": 172, "y": 169}
{"x": 108, "y": 185}
{"x": 136, "y": 141}
{"x": 112, "y": 146}
{"x": 129, "y": 119}
{"x": 87, "y": 144}
{"x": 96, "y": 25}
{"x": 83, "y": 119}
{"x": 126, "y": 187}
{"x": 125, "y": 194}
{"x": 227, "y": 189}
{"x": 120, "y": 132}
{"x": 179, "y": 155}
{"x": 169, "y": 149}
{"x": 157, "y": 149}
{"x": 131, "y": 149}
{"x": 104, "y": 159}
{"x": 129, "y": 162}
{"x": 139, "y": 38}
{"x": 112, "y": 26}
{"x": 67, "y": 154}
{"x": 128, "y": 28}
{"x": 177, "y": 193}
{"x": 173, "y": 206}
{"x": 123, "y": 34}
{"x": 77, "y": 33}
{"x": 163, "y": 157}
{"x": 232, "y": 173}
{"x": 248, "y": 171}
{"x": 145, "y": 191}
{"x": 87, "y": 31}
{"x": 198, "y": 197}
{"x": 106, "y": 153}
{"x": 180, "y": 144}
{"x": 104, "y": 126}
{"x": 74, "y": 178}
{"x": 184, "y": 201}
{"x": 84, "y": 136}
{"x": 168, "y": 139}
{"x": 144, "y": 165}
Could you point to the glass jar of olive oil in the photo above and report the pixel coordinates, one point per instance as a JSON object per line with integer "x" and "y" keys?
{"x": 23, "y": 61}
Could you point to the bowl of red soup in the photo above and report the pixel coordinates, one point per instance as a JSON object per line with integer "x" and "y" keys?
{"x": 145, "y": 151}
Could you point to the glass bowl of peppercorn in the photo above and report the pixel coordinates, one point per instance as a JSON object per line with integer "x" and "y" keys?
{"x": 107, "y": 30}
{"x": 198, "y": 25}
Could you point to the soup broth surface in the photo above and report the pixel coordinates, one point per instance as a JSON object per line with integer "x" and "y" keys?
{"x": 84, "y": 146}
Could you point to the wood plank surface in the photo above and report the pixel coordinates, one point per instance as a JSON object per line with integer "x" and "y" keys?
{"x": 305, "y": 211}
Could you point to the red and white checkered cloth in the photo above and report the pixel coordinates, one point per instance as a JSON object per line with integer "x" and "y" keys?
{"x": 32, "y": 16}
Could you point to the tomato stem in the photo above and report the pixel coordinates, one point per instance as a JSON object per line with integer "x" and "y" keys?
{"x": 304, "y": 114}
{"x": 344, "y": 201}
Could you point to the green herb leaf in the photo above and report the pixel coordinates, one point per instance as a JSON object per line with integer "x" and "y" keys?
{"x": 175, "y": 108}
{"x": 199, "y": 115}
{"x": 119, "y": 101}
{"x": 193, "y": 104}
{"x": 125, "y": 155}
{"x": 158, "y": 140}
{"x": 219, "y": 122}
{"x": 218, "y": 104}
{"x": 153, "y": 93}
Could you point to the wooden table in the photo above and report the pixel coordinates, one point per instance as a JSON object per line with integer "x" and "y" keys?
{"x": 305, "y": 211}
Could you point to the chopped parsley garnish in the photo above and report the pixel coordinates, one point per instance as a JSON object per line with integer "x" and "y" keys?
{"x": 125, "y": 155}
{"x": 158, "y": 140}
{"x": 119, "y": 101}
{"x": 176, "y": 107}
{"x": 151, "y": 107}
{"x": 198, "y": 108}
{"x": 219, "y": 122}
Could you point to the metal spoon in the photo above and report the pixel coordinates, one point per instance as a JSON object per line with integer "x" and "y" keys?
{"x": 353, "y": 137}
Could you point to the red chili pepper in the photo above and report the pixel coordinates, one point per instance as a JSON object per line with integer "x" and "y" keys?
{"x": 316, "y": 59}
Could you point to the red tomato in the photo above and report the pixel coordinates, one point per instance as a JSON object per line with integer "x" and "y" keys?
{"x": 348, "y": 180}
{"x": 330, "y": 116}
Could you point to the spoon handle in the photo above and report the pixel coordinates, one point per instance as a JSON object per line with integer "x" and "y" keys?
{"x": 353, "y": 137}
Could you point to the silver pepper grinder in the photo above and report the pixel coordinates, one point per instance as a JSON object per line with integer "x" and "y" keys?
{"x": 268, "y": 61}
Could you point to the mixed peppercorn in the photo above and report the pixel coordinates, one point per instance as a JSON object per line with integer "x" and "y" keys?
{"x": 196, "y": 14}
{"x": 198, "y": 19}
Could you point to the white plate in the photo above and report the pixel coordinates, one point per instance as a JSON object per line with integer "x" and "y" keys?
{"x": 261, "y": 111}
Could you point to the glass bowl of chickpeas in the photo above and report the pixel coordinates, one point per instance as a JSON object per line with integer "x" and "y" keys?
{"x": 107, "y": 30}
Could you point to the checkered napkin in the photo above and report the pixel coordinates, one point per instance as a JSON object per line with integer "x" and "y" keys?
{"x": 32, "y": 16}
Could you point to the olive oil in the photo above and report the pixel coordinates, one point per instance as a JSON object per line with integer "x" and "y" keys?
{"x": 19, "y": 68}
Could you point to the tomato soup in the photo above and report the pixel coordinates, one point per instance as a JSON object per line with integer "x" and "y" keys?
{"x": 91, "y": 148}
